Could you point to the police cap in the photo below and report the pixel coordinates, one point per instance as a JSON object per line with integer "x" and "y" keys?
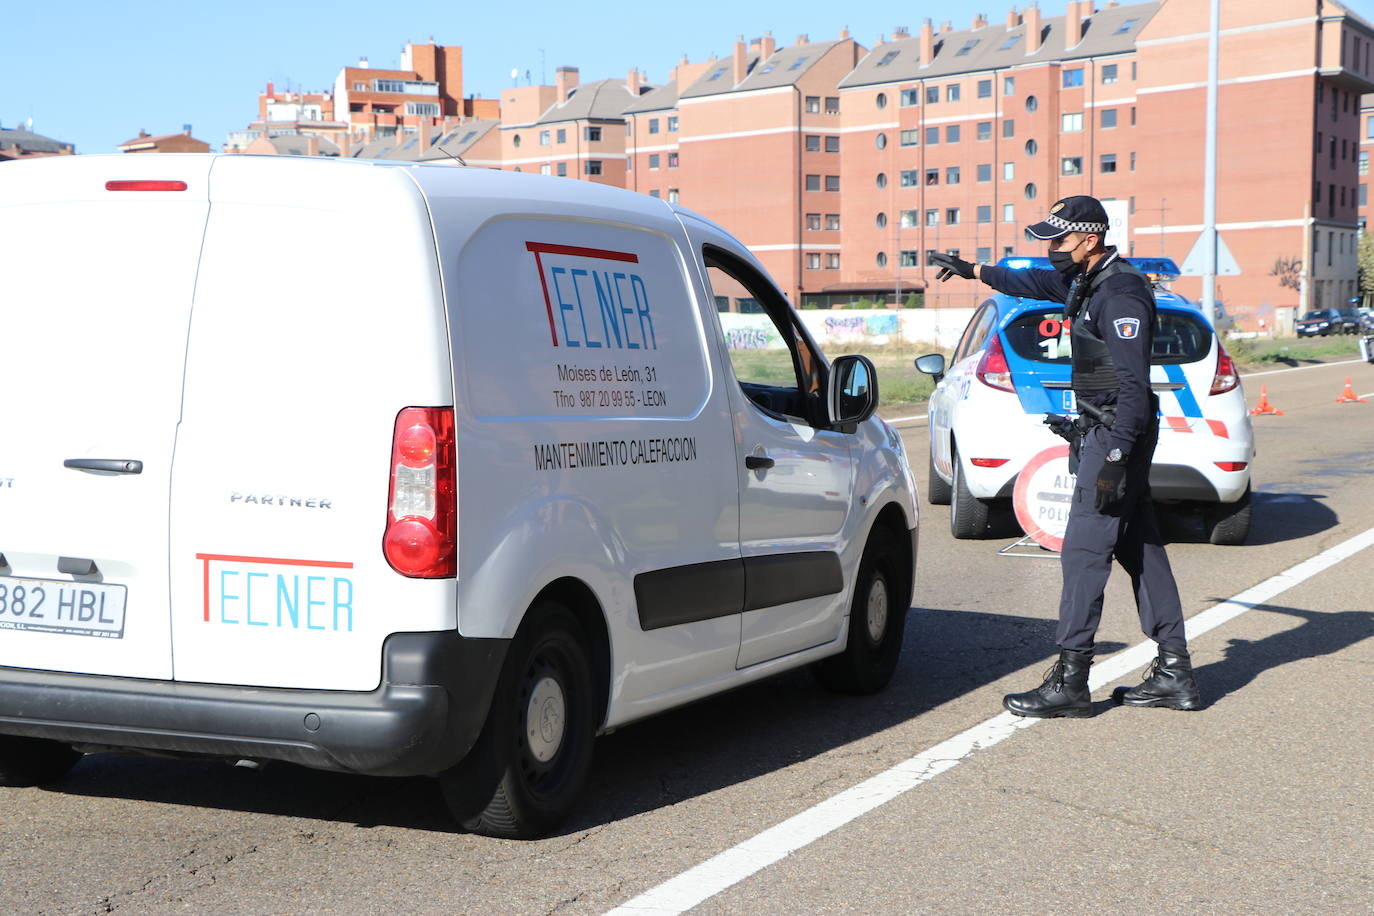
{"x": 1079, "y": 213}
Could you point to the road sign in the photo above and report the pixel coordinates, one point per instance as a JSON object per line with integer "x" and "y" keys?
{"x": 1118, "y": 223}
{"x": 1195, "y": 264}
{"x": 1042, "y": 496}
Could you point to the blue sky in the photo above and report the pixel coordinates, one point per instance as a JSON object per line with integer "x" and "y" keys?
{"x": 94, "y": 74}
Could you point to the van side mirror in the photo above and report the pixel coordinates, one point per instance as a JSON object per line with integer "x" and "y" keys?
{"x": 932, "y": 364}
{"x": 853, "y": 391}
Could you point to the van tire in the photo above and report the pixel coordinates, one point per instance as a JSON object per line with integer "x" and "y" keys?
{"x": 33, "y": 761}
{"x": 877, "y": 622}
{"x": 542, "y": 765}
{"x": 937, "y": 491}
{"x": 968, "y": 515}
{"x": 1228, "y": 523}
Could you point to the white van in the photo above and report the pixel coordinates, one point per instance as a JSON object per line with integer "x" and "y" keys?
{"x": 399, "y": 469}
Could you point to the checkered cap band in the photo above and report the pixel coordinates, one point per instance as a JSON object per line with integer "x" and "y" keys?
{"x": 1074, "y": 227}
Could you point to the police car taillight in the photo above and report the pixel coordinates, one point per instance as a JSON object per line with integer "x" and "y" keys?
{"x": 1226, "y": 377}
{"x": 992, "y": 368}
{"x": 421, "y": 522}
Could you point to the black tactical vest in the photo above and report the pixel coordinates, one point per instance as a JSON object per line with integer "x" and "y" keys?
{"x": 1093, "y": 370}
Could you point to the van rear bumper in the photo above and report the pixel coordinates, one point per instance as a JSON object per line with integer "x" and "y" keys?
{"x": 426, "y": 715}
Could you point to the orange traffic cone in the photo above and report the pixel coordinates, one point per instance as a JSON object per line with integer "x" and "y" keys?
{"x": 1348, "y": 395}
{"x": 1264, "y": 406}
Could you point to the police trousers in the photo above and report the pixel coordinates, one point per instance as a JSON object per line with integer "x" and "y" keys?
{"x": 1127, "y": 532}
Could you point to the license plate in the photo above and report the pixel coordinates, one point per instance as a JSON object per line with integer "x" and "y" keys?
{"x": 55, "y": 606}
{"x": 1070, "y": 402}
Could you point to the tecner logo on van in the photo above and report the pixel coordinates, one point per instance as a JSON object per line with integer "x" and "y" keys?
{"x": 591, "y": 305}
{"x": 238, "y": 592}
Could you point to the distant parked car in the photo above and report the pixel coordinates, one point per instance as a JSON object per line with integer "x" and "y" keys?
{"x": 1221, "y": 319}
{"x": 1350, "y": 321}
{"x": 1320, "y": 322}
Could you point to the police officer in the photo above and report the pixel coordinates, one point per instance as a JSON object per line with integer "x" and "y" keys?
{"x": 1111, "y": 312}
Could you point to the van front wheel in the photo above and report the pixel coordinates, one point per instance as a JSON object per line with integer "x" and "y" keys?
{"x": 542, "y": 727}
{"x": 877, "y": 622}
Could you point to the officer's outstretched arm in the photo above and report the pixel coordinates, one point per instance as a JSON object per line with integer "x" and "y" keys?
{"x": 1028, "y": 284}
{"x": 1125, "y": 319}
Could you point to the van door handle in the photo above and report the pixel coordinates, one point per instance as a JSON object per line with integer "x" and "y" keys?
{"x": 758, "y": 462}
{"x": 114, "y": 465}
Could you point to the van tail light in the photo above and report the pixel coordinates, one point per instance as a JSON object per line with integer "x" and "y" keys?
{"x": 992, "y": 368}
{"x": 144, "y": 185}
{"x": 988, "y": 462}
{"x": 422, "y": 515}
{"x": 1226, "y": 377}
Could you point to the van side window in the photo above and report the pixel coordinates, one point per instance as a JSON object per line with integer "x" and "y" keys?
{"x": 776, "y": 366}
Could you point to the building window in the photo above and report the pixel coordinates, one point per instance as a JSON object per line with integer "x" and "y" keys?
{"x": 832, "y": 106}
{"x": 932, "y": 217}
{"x": 1108, "y": 117}
{"x": 1032, "y": 147}
{"x": 881, "y": 220}
{"x": 1009, "y": 171}
{"x": 672, "y": 123}
{"x": 932, "y": 177}
{"x": 1071, "y": 122}
{"x": 888, "y": 58}
{"x": 813, "y": 261}
{"x": 932, "y": 136}
{"x": 562, "y": 135}
{"x": 984, "y": 130}
{"x": 908, "y": 178}
{"x": 951, "y": 216}
{"x": 546, "y": 169}
{"x": 832, "y": 144}
{"x": 832, "y": 261}
{"x": 952, "y": 92}
{"x": 673, "y": 195}
{"x": 813, "y": 104}
{"x": 672, "y": 160}
{"x": 1109, "y": 73}
{"x": 985, "y": 213}
{"x": 1032, "y": 103}
{"x": 909, "y": 137}
{"x": 515, "y": 141}
{"x": 909, "y": 219}
{"x": 654, "y": 194}
{"x": 1072, "y": 78}
{"x": 1009, "y": 85}
{"x": 1030, "y": 191}
{"x": 1364, "y": 195}
{"x": 813, "y": 222}
{"x": 563, "y": 169}
{"x": 932, "y": 94}
{"x": 910, "y": 97}
{"x": 593, "y": 166}
{"x": 984, "y": 256}
{"x": 1133, "y": 116}
{"x": 985, "y": 89}
{"x": 653, "y": 160}
{"x": 879, "y": 140}
{"x": 1071, "y": 165}
{"x": 1008, "y": 129}
{"x": 593, "y": 134}
{"x": 1364, "y": 162}
{"x": 1109, "y": 162}
{"x": 360, "y": 87}
{"x": 881, "y": 259}
{"x": 813, "y": 143}
{"x": 985, "y": 171}
{"x": 388, "y": 86}
{"x": 1008, "y": 251}
{"x": 951, "y": 133}
{"x": 881, "y": 99}
{"x": 952, "y": 175}
{"x": 832, "y": 222}
{"x": 909, "y": 257}
{"x": 1008, "y": 213}
{"x": 968, "y": 46}
{"x": 832, "y": 182}
{"x": 881, "y": 180}
{"x": 543, "y": 138}
{"x": 1132, "y": 162}
{"x": 629, "y": 127}
{"x": 813, "y": 182}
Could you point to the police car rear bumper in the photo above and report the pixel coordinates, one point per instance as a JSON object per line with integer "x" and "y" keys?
{"x": 1181, "y": 482}
{"x": 425, "y": 716}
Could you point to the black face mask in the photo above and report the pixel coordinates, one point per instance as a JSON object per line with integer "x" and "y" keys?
{"x": 1063, "y": 262}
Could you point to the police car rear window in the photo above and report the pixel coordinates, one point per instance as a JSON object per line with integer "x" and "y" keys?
{"x": 1042, "y": 337}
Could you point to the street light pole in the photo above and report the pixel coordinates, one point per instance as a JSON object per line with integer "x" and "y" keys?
{"x": 1209, "y": 202}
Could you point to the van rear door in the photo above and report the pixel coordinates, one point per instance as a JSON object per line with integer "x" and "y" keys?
{"x": 99, "y": 261}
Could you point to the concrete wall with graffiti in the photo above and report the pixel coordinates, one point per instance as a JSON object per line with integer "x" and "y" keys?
{"x": 852, "y": 328}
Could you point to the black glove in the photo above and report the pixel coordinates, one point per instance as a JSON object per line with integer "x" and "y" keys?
{"x": 1111, "y": 485}
{"x": 1065, "y": 428}
{"x": 950, "y": 265}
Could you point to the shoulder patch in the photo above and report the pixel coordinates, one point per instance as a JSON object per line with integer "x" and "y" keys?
{"x": 1127, "y": 328}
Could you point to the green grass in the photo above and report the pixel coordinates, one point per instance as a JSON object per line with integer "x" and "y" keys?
{"x": 1263, "y": 351}
{"x": 898, "y": 380}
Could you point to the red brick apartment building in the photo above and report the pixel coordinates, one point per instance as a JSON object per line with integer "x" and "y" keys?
{"x": 426, "y": 89}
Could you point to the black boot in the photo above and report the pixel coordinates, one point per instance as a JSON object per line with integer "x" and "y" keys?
{"x": 1064, "y": 693}
{"x": 1169, "y": 683}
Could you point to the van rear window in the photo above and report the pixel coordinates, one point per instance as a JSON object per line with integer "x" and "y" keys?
{"x": 1040, "y": 336}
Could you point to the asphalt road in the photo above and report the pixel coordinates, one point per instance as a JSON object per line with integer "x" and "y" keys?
{"x": 1261, "y": 802}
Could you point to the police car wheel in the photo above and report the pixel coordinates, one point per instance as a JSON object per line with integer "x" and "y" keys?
{"x": 937, "y": 491}
{"x": 543, "y": 725}
{"x": 968, "y": 515}
{"x": 1228, "y": 523}
{"x": 33, "y": 761}
{"x": 877, "y": 622}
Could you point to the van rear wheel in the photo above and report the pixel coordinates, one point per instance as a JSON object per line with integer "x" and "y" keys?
{"x": 877, "y": 622}
{"x": 541, "y": 729}
{"x": 33, "y": 761}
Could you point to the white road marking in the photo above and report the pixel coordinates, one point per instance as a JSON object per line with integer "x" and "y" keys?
{"x": 728, "y": 868}
{"x": 1342, "y": 362}
{"x": 907, "y": 419}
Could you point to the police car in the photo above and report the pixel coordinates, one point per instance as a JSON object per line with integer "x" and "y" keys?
{"x": 1012, "y": 366}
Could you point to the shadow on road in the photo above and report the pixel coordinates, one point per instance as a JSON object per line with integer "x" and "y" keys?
{"x": 1275, "y": 517}
{"x": 689, "y": 752}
